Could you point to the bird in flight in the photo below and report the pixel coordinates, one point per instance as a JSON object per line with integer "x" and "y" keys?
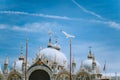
{"x": 67, "y": 35}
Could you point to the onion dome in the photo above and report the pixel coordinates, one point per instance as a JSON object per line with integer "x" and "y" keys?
{"x": 90, "y": 63}
{"x": 51, "y": 54}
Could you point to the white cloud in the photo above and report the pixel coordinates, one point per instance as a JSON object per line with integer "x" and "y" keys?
{"x": 87, "y": 11}
{"x": 102, "y": 20}
{"x": 36, "y": 14}
{"x": 114, "y": 24}
{"x": 2, "y": 26}
{"x": 36, "y": 27}
{"x": 33, "y": 27}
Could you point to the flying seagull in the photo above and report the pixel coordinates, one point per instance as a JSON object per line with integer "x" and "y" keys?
{"x": 67, "y": 35}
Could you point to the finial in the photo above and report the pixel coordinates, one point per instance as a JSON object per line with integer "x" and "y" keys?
{"x": 21, "y": 57}
{"x": 90, "y": 55}
{"x": 6, "y": 61}
{"x": 56, "y": 46}
{"x": 90, "y": 49}
{"x": 50, "y": 35}
{"x": 56, "y": 40}
{"x": 50, "y": 41}
{"x": 21, "y": 50}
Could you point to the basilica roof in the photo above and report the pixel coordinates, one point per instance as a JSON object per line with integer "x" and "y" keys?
{"x": 54, "y": 55}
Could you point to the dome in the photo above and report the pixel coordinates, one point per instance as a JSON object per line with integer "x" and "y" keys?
{"x": 19, "y": 65}
{"x": 87, "y": 64}
{"x": 53, "y": 55}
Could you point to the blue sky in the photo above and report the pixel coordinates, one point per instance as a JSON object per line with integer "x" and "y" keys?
{"x": 95, "y": 23}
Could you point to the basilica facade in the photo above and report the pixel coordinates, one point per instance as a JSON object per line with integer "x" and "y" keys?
{"x": 51, "y": 64}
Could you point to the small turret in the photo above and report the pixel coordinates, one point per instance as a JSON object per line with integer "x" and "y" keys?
{"x": 6, "y": 65}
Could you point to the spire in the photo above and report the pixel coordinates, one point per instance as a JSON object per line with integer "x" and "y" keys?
{"x": 90, "y": 55}
{"x": 6, "y": 60}
{"x": 90, "y": 49}
{"x": 50, "y": 41}
{"x": 6, "y": 65}
{"x": 21, "y": 57}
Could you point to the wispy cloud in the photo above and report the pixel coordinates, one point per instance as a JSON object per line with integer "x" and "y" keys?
{"x": 32, "y": 27}
{"x": 102, "y": 20}
{"x": 36, "y": 27}
{"x": 114, "y": 24}
{"x": 36, "y": 14}
{"x": 87, "y": 11}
